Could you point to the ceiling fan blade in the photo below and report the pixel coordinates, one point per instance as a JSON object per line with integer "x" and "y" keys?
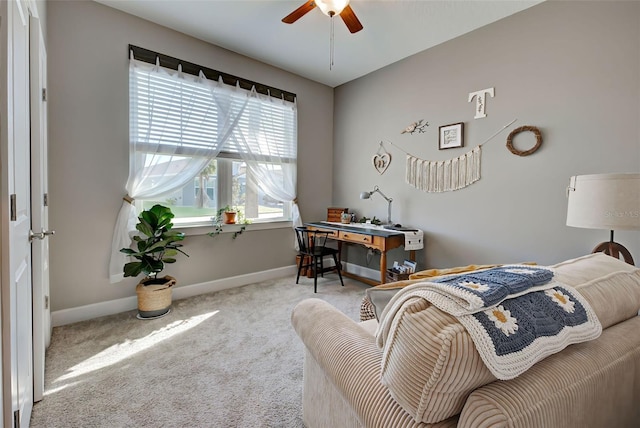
{"x": 350, "y": 19}
{"x": 299, "y": 12}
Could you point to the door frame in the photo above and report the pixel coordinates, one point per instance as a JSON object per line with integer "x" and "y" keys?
{"x": 14, "y": 37}
{"x": 39, "y": 203}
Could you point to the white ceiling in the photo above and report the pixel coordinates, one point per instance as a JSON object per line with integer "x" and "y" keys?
{"x": 393, "y": 30}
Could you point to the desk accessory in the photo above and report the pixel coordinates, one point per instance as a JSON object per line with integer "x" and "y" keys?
{"x": 376, "y": 189}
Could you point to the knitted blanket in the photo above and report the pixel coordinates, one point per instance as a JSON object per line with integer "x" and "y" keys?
{"x": 516, "y": 315}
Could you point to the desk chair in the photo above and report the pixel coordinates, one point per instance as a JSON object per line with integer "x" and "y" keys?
{"x": 312, "y": 252}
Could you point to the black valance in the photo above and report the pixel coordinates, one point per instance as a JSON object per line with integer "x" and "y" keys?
{"x": 166, "y": 61}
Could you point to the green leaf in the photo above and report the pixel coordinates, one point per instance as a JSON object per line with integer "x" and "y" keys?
{"x": 142, "y": 246}
{"x": 157, "y": 265}
{"x": 179, "y": 236}
{"x": 132, "y": 269}
{"x": 159, "y": 210}
{"x": 164, "y": 220}
{"x": 145, "y": 228}
{"x": 150, "y": 219}
{"x": 162, "y": 216}
{"x": 146, "y": 265}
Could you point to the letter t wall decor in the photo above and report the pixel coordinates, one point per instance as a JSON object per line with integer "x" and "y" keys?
{"x": 480, "y": 97}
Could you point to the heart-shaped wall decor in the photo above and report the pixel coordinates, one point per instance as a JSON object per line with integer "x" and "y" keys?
{"x": 381, "y": 162}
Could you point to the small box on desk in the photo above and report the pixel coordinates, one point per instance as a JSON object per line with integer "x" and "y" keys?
{"x": 335, "y": 214}
{"x": 393, "y": 276}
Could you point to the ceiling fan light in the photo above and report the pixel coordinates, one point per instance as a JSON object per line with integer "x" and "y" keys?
{"x": 332, "y": 7}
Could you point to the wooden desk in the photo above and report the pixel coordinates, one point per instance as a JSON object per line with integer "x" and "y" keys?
{"x": 379, "y": 239}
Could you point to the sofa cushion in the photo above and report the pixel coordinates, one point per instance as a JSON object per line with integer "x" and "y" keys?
{"x": 430, "y": 363}
{"x": 595, "y": 276}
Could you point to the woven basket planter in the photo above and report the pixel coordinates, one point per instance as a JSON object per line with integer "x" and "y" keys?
{"x": 154, "y": 296}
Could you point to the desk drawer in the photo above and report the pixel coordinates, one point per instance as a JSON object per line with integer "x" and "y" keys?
{"x": 356, "y": 237}
{"x": 332, "y": 233}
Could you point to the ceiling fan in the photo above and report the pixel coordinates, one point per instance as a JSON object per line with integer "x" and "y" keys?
{"x": 329, "y": 8}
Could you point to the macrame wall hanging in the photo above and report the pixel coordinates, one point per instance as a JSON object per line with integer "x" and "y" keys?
{"x": 448, "y": 175}
{"x": 444, "y": 176}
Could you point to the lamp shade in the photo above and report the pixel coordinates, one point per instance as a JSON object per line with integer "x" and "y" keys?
{"x": 604, "y": 201}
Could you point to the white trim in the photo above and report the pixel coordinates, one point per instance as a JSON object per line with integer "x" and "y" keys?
{"x": 203, "y": 228}
{"x": 95, "y": 310}
{"x": 363, "y": 271}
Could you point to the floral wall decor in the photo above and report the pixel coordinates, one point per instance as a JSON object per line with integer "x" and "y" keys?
{"x": 415, "y": 127}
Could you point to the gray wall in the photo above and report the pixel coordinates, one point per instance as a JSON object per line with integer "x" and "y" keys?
{"x": 88, "y": 143}
{"x": 570, "y": 68}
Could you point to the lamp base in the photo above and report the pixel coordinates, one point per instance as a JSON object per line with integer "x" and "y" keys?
{"x": 614, "y": 249}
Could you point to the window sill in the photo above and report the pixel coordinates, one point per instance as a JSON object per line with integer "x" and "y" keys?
{"x": 202, "y": 228}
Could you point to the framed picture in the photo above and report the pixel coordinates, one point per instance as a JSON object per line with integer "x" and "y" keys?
{"x": 451, "y": 136}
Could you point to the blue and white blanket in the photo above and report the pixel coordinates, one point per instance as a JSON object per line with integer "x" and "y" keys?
{"x": 516, "y": 315}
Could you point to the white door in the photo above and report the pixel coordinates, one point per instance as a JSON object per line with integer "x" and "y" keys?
{"x": 17, "y": 341}
{"x": 39, "y": 207}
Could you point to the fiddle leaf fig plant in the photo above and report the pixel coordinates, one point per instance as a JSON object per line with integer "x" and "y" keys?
{"x": 156, "y": 245}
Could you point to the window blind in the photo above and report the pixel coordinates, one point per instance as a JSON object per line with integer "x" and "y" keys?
{"x": 171, "y": 111}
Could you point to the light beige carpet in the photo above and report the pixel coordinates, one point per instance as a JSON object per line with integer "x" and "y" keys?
{"x": 224, "y": 359}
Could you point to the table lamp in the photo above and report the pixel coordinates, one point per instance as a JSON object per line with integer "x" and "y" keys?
{"x": 376, "y": 189}
{"x": 605, "y": 201}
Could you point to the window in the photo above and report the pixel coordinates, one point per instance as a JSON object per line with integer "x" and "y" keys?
{"x": 226, "y": 182}
{"x": 199, "y": 145}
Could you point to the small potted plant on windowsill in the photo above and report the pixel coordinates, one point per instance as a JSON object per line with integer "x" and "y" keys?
{"x": 220, "y": 219}
{"x": 230, "y": 215}
{"x": 156, "y": 245}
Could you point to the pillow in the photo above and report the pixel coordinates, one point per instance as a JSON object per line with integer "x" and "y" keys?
{"x": 376, "y": 298}
{"x": 430, "y": 364}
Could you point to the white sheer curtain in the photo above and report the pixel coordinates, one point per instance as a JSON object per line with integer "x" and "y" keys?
{"x": 178, "y": 123}
{"x": 269, "y": 153}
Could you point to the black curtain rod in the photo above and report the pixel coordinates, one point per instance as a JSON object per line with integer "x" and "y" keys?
{"x": 146, "y": 55}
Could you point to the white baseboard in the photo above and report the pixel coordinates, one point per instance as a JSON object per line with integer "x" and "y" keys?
{"x": 366, "y": 272}
{"x": 95, "y": 310}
